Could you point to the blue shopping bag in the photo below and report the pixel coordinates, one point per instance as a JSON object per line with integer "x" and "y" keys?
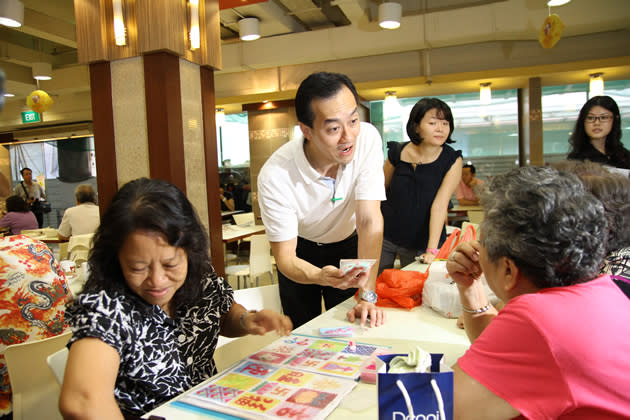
{"x": 412, "y": 396}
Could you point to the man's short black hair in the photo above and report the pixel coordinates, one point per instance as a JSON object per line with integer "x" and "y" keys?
{"x": 25, "y": 169}
{"x": 471, "y": 166}
{"x": 320, "y": 85}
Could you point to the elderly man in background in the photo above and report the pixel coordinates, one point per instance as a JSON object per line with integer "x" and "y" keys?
{"x": 82, "y": 218}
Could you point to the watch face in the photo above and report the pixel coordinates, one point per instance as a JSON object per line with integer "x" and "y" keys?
{"x": 370, "y": 296}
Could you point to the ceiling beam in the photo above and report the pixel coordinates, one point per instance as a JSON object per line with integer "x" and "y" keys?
{"x": 48, "y": 27}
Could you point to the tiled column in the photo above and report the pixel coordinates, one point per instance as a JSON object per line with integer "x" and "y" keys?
{"x": 153, "y": 101}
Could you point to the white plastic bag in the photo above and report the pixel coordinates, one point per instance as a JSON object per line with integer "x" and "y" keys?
{"x": 440, "y": 292}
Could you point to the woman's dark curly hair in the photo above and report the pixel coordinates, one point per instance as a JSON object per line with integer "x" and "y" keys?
{"x": 423, "y": 106}
{"x": 544, "y": 220}
{"x": 157, "y": 206}
{"x": 16, "y": 203}
{"x": 580, "y": 142}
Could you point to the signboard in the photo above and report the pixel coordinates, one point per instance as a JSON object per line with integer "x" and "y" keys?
{"x": 30, "y": 117}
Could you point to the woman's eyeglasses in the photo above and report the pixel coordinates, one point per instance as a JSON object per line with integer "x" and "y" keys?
{"x": 602, "y": 118}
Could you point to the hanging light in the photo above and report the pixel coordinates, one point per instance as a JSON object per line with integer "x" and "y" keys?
{"x": 11, "y": 13}
{"x": 390, "y": 96}
{"x": 195, "y": 39}
{"x": 248, "y": 28}
{"x": 220, "y": 116}
{"x": 119, "y": 23}
{"x": 596, "y": 85}
{"x": 389, "y": 15}
{"x": 485, "y": 93}
{"x": 391, "y": 107}
{"x": 552, "y": 3}
{"x": 42, "y": 71}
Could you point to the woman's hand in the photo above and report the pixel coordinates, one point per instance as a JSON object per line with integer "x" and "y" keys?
{"x": 463, "y": 263}
{"x": 261, "y": 322}
{"x": 426, "y": 258}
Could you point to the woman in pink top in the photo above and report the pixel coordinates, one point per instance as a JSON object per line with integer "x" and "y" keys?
{"x": 559, "y": 347}
{"x": 18, "y": 216}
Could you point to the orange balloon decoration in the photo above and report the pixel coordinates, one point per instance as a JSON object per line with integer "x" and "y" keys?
{"x": 551, "y": 31}
{"x": 39, "y": 101}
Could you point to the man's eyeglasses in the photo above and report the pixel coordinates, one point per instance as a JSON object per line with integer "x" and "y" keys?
{"x": 602, "y": 118}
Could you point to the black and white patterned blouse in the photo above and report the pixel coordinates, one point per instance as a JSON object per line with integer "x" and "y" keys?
{"x": 160, "y": 357}
{"x": 618, "y": 263}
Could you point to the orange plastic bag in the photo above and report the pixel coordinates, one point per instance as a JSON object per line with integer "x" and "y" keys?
{"x": 470, "y": 234}
{"x": 449, "y": 243}
{"x": 400, "y": 288}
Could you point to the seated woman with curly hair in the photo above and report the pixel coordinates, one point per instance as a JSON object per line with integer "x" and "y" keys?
{"x": 558, "y": 349}
{"x": 146, "y": 325}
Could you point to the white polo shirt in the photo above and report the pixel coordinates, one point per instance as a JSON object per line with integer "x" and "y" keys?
{"x": 295, "y": 200}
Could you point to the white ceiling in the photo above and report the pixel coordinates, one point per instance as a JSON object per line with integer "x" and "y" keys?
{"x": 343, "y": 35}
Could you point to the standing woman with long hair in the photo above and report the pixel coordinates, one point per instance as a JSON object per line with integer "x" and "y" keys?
{"x": 420, "y": 178}
{"x": 597, "y": 134}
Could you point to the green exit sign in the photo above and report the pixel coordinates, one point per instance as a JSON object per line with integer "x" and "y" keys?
{"x": 30, "y": 117}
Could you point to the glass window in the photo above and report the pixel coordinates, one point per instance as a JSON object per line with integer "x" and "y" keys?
{"x": 233, "y": 140}
{"x": 561, "y": 106}
{"x": 487, "y": 135}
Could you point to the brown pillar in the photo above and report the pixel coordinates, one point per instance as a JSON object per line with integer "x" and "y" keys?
{"x": 536, "y": 152}
{"x": 153, "y": 100}
{"x": 104, "y": 148}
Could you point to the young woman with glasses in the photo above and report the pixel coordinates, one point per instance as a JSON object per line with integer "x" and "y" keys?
{"x": 597, "y": 134}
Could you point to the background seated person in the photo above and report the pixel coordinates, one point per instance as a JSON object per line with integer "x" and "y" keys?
{"x": 146, "y": 324}
{"x": 82, "y": 218}
{"x": 467, "y": 191}
{"x": 227, "y": 201}
{"x": 18, "y": 217}
{"x": 613, "y": 190}
{"x": 33, "y": 293}
{"x": 542, "y": 242}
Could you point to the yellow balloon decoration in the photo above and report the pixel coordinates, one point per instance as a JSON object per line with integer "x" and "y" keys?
{"x": 551, "y": 31}
{"x": 39, "y": 101}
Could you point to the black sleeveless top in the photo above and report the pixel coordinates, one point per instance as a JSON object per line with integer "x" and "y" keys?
{"x": 410, "y": 196}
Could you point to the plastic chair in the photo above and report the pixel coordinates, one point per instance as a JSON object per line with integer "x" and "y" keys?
{"x": 57, "y": 363}
{"x": 34, "y": 387}
{"x": 79, "y": 247}
{"x": 244, "y": 219}
{"x": 475, "y": 216}
{"x": 259, "y": 262}
{"x": 231, "y": 350}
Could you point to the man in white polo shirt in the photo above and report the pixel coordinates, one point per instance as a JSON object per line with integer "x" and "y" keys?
{"x": 320, "y": 202}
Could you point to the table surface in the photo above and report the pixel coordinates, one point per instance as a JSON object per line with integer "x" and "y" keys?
{"x": 232, "y": 233}
{"x": 466, "y": 208}
{"x": 403, "y": 331}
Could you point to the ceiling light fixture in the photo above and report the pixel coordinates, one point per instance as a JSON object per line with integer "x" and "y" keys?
{"x": 120, "y": 37}
{"x": 8, "y": 95}
{"x": 485, "y": 93}
{"x": 248, "y": 29}
{"x": 220, "y": 116}
{"x": 389, "y": 15}
{"x": 552, "y": 3}
{"x": 195, "y": 39}
{"x": 11, "y": 13}
{"x": 596, "y": 85}
{"x": 42, "y": 71}
{"x": 390, "y": 96}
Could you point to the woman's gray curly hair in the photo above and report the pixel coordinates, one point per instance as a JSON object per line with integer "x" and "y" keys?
{"x": 547, "y": 223}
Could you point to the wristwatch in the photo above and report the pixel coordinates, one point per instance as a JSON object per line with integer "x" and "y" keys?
{"x": 369, "y": 296}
